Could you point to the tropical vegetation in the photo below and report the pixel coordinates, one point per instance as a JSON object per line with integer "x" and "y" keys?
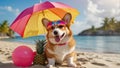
{"x": 110, "y": 26}
{"x": 5, "y": 29}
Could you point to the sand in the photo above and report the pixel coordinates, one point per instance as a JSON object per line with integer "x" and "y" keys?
{"x": 84, "y": 59}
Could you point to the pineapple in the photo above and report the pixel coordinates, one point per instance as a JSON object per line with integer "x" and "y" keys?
{"x": 40, "y": 55}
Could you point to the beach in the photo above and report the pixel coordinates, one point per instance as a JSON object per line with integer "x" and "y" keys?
{"x": 84, "y": 59}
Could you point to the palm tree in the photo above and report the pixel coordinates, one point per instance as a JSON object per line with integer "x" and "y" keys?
{"x": 112, "y": 23}
{"x": 118, "y": 26}
{"x": 93, "y": 28}
{"x": 4, "y": 28}
{"x": 0, "y": 27}
{"x": 112, "y": 20}
{"x": 106, "y": 23}
{"x": 10, "y": 33}
{"x": 118, "y": 22}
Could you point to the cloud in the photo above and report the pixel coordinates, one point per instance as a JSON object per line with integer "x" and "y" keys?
{"x": 104, "y": 8}
{"x": 10, "y": 9}
{"x": 78, "y": 26}
{"x": 95, "y": 11}
{"x": 107, "y": 4}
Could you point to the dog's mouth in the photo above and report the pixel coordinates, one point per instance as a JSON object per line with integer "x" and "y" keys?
{"x": 58, "y": 38}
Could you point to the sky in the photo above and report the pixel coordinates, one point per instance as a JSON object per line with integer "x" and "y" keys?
{"x": 92, "y": 12}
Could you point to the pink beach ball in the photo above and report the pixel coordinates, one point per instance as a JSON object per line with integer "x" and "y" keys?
{"x": 23, "y": 56}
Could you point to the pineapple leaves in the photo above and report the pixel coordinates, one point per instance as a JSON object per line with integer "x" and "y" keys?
{"x": 40, "y": 46}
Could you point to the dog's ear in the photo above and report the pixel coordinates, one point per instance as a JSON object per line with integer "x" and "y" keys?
{"x": 67, "y": 18}
{"x": 45, "y": 22}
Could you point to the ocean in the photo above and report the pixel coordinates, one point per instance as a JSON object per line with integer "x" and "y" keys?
{"x": 101, "y": 44}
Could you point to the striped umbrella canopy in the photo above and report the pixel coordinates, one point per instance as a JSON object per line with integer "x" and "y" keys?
{"x": 28, "y": 23}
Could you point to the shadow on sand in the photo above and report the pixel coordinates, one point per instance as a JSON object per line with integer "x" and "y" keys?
{"x": 11, "y": 65}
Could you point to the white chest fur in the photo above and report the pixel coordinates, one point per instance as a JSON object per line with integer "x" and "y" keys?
{"x": 60, "y": 52}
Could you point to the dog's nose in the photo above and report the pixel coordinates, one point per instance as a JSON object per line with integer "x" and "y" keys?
{"x": 55, "y": 32}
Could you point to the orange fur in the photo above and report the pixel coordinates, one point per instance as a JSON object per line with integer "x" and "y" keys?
{"x": 52, "y": 50}
{"x": 51, "y": 46}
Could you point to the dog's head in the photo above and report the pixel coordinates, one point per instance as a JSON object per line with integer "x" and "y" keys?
{"x": 58, "y": 31}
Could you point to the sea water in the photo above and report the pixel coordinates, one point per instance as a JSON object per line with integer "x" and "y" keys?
{"x": 102, "y": 44}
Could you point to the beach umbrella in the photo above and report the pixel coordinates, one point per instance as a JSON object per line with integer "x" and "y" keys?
{"x": 28, "y": 23}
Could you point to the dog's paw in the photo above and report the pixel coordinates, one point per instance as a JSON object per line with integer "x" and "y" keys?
{"x": 72, "y": 65}
{"x": 49, "y": 66}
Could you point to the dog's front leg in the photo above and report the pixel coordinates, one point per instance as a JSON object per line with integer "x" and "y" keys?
{"x": 70, "y": 61}
{"x": 51, "y": 62}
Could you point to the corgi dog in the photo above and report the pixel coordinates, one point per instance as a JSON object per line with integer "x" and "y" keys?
{"x": 60, "y": 44}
